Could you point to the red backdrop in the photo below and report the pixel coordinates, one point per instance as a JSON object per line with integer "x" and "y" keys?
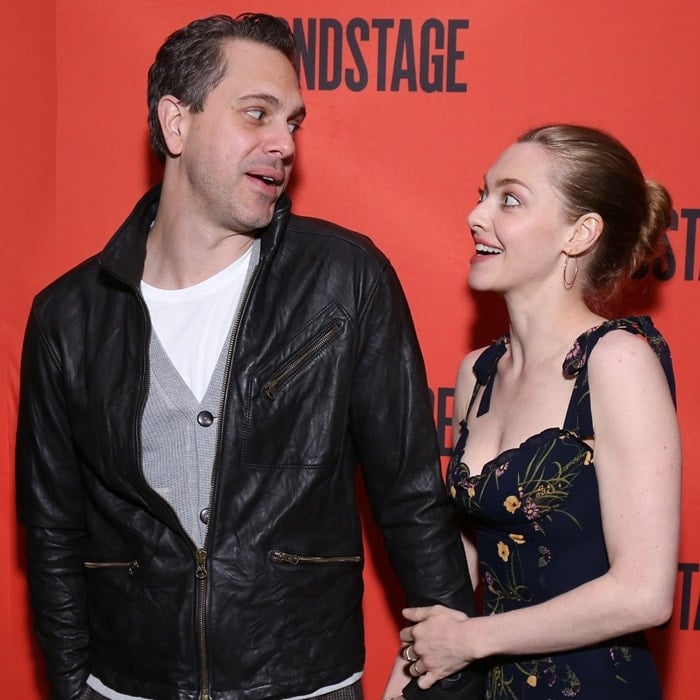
{"x": 407, "y": 109}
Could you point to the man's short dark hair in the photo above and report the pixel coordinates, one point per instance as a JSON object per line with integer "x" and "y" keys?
{"x": 191, "y": 62}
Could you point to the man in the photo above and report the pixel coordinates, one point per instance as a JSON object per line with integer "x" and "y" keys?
{"x": 194, "y": 401}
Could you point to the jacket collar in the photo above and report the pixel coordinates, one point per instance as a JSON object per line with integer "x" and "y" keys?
{"x": 125, "y": 253}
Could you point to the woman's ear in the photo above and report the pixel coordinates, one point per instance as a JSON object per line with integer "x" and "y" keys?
{"x": 587, "y": 231}
{"x": 172, "y": 115}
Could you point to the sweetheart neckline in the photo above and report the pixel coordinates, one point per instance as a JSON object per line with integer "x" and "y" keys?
{"x": 492, "y": 464}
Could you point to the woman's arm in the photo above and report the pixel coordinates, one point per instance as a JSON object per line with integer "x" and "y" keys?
{"x": 398, "y": 679}
{"x": 464, "y": 388}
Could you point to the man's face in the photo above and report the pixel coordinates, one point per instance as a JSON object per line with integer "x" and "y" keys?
{"x": 236, "y": 156}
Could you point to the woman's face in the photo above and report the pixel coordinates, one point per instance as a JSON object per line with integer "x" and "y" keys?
{"x": 517, "y": 225}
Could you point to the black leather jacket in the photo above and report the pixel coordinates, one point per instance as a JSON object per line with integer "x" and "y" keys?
{"x": 324, "y": 371}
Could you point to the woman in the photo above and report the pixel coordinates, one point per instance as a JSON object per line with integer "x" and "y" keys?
{"x": 576, "y": 506}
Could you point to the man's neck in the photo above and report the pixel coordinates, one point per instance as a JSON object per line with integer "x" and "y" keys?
{"x": 179, "y": 256}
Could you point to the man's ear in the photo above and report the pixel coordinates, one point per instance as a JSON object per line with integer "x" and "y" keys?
{"x": 172, "y": 115}
{"x": 586, "y": 232}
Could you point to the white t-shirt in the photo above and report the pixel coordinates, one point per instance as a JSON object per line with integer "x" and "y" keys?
{"x": 193, "y": 323}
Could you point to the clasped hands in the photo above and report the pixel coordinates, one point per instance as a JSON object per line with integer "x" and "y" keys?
{"x": 435, "y": 645}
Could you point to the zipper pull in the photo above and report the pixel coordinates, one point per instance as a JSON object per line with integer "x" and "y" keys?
{"x": 201, "y": 572}
{"x": 270, "y": 388}
{"x": 288, "y": 558}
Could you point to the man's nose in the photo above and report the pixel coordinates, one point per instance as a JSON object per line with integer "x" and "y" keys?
{"x": 281, "y": 142}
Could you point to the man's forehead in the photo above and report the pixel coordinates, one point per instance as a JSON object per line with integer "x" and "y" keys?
{"x": 259, "y": 71}
{"x": 256, "y": 53}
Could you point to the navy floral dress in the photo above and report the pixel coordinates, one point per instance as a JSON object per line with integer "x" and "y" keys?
{"x": 536, "y": 512}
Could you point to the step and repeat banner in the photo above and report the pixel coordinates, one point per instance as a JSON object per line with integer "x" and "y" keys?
{"x": 409, "y": 103}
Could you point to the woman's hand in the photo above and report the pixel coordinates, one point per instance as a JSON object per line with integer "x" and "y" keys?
{"x": 438, "y": 641}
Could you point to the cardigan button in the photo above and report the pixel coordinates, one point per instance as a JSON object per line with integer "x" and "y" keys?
{"x": 205, "y": 419}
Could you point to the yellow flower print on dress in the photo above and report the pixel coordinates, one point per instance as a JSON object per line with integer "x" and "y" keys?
{"x": 503, "y": 551}
{"x": 511, "y": 504}
{"x": 517, "y": 538}
{"x": 532, "y": 681}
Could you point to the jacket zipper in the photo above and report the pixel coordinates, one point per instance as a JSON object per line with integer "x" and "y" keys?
{"x": 201, "y": 576}
{"x": 270, "y": 387}
{"x": 201, "y": 554}
{"x": 130, "y": 565}
{"x": 296, "y": 559}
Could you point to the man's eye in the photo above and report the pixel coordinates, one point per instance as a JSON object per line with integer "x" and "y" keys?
{"x": 510, "y": 200}
{"x": 482, "y": 195}
{"x": 257, "y": 114}
{"x": 293, "y": 128}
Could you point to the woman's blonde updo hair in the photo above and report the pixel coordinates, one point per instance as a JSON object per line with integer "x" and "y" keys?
{"x": 594, "y": 172}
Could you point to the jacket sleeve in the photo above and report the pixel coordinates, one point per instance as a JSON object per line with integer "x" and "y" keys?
{"x": 49, "y": 504}
{"x": 394, "y": 434}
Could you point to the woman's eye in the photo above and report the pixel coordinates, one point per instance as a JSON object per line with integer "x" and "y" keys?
{"x": 293, "y": 128}
{"x": 257, "y": 114}
{"x": 510, "y": 200}
{"x": 482, "y": 195}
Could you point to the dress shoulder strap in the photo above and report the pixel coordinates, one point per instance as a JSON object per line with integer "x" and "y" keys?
{"x": 578, "y": 416}
{"x": 485, "y": 372}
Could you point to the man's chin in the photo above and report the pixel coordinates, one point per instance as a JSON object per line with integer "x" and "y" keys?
{"x": 255, "y": 221}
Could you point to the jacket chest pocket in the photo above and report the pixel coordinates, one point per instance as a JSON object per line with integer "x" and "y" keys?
{"x": 305, "y": 356}
{"x": 297, "y": 403}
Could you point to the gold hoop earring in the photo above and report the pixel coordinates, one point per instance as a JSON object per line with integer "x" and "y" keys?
{"x": 569, "y": 284}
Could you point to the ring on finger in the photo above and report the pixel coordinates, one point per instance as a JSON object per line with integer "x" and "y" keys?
{"x": 413, "y": 669}
{"x": 409, "y": 654}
